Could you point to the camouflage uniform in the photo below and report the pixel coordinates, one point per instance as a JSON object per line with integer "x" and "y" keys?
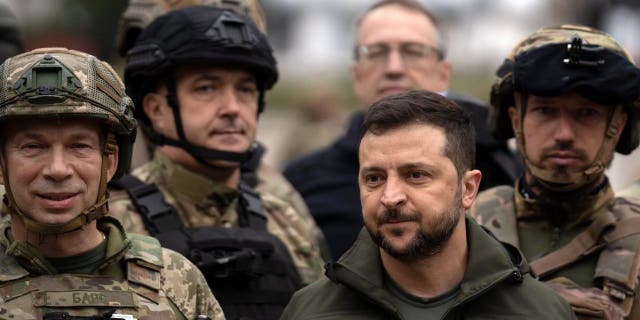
{"x": 137, "y": 278}
{"x": 203, "y": 202}
{"x": 585, "y": 245}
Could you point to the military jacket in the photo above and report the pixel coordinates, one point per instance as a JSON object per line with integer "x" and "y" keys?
{"x": 496, "y": 285}
{"x": 602, "y": 279}
{"x": 201, "y": 202}
{"x": 137, "y": 278}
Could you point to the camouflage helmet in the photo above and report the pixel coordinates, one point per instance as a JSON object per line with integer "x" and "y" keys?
{"x": 574, "y": 58}
{"x": 62, "y": 82}
{"x": 140, "y": 13}
{"x": 57, "y": 82}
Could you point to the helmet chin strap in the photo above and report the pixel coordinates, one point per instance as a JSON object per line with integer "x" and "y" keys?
{"x": 571, "y": 180}
{"x": 99, "y": 209}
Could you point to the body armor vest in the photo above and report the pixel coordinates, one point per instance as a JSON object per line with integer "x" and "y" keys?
{"x": 26, "y": 296}
{"x": 248, "y": 269}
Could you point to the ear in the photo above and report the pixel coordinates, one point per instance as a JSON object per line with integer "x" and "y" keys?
{"x": 470, "y": 185}
{"x": 513, "y": 116}
{"x": 112, "y": 164}
{"x": 620, "y": 123}
{"x": 155, "y": 106}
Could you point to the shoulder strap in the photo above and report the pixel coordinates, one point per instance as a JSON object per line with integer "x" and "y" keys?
{"x": 157, "y": 214}
{"x": 251, "y": 211}
{"x": 602, "y": 231}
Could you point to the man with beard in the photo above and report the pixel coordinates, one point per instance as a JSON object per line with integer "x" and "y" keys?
{"x": 569, "y": 94}
{"x": 420, "y": 257}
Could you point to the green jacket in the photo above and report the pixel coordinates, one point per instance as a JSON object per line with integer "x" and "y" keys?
{"x": 137, "y": 277}
{"x": 495, "y": 286}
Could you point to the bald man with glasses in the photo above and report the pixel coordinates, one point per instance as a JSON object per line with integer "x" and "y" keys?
{"x": 398, "y": 47}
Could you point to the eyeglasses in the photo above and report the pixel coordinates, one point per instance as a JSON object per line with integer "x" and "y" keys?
{"x": 413, "y": 54}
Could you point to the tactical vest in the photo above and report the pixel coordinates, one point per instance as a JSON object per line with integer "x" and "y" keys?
{"x": 613, "y": 232}
{"x": 28, "y": 296}
{"x": 248, "y": 269}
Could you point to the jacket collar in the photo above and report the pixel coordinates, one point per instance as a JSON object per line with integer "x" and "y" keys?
{"x": 489, "y": 263}
{"x": 30, "y": 258}
{"x": 178, "y": 180}
{"x": 583, "y": 212}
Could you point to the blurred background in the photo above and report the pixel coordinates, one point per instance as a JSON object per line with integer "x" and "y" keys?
{"x": 313, "y": 42}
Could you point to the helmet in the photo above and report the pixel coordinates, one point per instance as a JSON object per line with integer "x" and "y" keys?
{"x": 140, "y": 13}
{"x": 569, "y": 58}
{"x": 68, "y": 83}
{"x": 10, "y": 42}
{"x": 193, "y": 35}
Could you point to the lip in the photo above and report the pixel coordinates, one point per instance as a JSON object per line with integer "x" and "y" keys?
{"x": 57, "y": 201}
{"x": 387, "y": 90}
{"x": 563, "y": 158}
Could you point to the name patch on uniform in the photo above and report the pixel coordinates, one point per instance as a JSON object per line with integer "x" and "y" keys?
{"x": 85, "y": 298}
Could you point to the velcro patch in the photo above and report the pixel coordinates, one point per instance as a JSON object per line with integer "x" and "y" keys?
{"x": 144, "y": 276}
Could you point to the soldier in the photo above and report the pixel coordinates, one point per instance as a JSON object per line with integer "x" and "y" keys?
{"x": 420, "y": 257}
{"x": 199, "y": 76}
{"x": 398, "y": 47}
{"x": 67, "y": 128}
{"x": 256, "y": 173}
{"x": 570, "y": 94}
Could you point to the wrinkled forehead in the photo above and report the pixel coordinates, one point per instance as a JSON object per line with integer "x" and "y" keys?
{"x": 396, "y": 24}
{"x": 50, "y": 127}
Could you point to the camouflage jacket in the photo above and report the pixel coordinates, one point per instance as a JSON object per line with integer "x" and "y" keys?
{"x": 202, "y": 202}
{"x": 137, "y": 278}
{"x": 600, "y": 283}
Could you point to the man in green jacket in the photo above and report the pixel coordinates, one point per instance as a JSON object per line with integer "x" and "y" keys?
{"x": 420, "y": 257}
{"x": 569, "y": 94}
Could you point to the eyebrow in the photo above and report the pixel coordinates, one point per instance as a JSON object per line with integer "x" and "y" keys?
{"x": 213, "y": 77}
{"x": 406, "y": 166}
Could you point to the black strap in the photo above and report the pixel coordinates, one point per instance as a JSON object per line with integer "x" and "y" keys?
{"x": 251, "y": 213}
{"x": 158, "y": 216}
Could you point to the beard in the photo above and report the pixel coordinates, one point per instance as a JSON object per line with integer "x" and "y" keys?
{"x": 424, "y": 243}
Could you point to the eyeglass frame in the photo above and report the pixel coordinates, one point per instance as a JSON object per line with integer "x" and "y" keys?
{"x": 360, "y": 51}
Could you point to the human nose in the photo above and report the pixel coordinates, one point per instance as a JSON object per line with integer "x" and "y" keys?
{"x": 393, "y": 194}
{"x": 564, "y": 131}
{"x": 229, "y": 104}
{"x": 59, "y": 167}
{"x": 395, "y": 62}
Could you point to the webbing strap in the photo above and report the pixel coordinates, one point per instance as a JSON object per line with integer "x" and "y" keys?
{"x": 602, "y": 231}
{"x": 157, "y": 215}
